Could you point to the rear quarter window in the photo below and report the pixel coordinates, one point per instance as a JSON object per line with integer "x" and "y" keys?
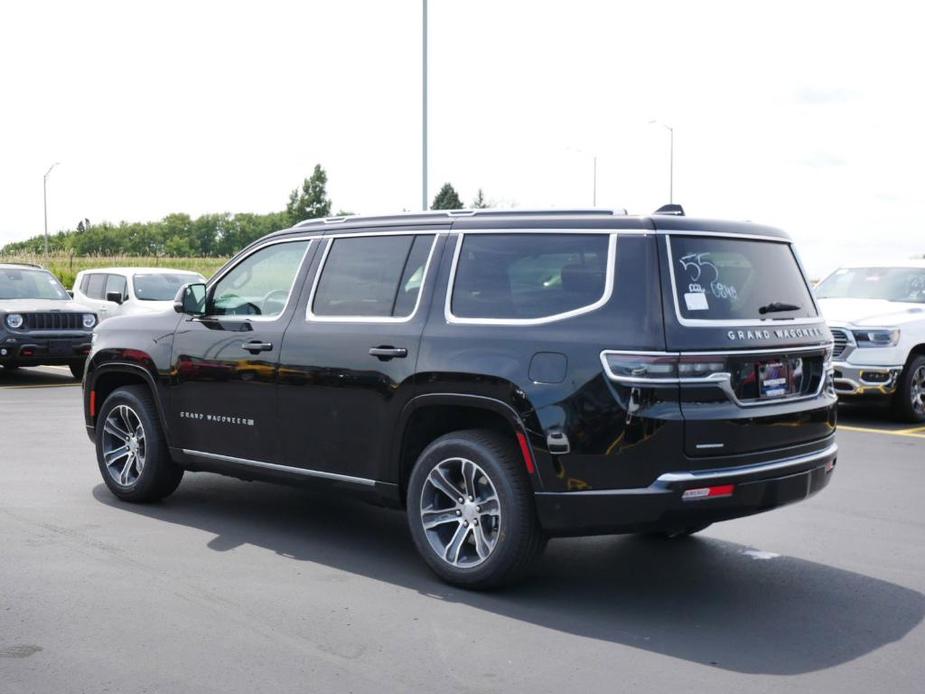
{"x": 526, "y": 276}
{"x": 737, "y": 279}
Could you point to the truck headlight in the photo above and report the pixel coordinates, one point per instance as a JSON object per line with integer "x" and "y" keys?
{"x": 876, "y": 338}
{"x": 89, "y": 320}
{"x": 14, "y": 320}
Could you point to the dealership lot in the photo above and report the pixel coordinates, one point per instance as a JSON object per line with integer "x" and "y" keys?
{"x": 233, "y": 586}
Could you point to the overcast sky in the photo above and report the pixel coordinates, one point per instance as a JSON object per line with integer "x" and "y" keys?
{"x": 804, "y": 115}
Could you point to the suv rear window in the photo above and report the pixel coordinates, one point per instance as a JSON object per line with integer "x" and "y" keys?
{"x": 737, "y": 279}
{"x": 529, "y": 276}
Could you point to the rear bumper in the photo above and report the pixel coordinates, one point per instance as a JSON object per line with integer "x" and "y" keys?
{"x": 660, "y": 506}
{"x": 857, "y": 380}
{"x": 33, "y": 350}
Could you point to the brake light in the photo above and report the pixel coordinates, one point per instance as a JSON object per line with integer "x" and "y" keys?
{"x": 661, "y": 367}
{"x": 708, "y": 492}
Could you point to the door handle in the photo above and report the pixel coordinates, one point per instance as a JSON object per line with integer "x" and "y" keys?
{"x": 384, "y": 353}
{"x": 256, "y": 346}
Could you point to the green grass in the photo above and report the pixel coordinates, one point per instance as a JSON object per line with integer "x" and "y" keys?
{"x": 65, "y": 268}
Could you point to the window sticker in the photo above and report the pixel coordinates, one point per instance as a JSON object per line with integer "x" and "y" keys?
{"x": 696, "y": 301}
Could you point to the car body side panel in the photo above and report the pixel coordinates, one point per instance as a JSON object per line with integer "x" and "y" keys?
{"x": 607, "y": 448}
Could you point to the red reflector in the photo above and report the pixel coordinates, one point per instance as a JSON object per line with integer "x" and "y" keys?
{"x": 708, "y": 492}
{"x": 27, "y": 352}
{"x": 525, "y": 452}
{"x": 93, "y": 403}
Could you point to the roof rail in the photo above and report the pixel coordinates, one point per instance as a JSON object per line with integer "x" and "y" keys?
{"x": 486, "y": 212}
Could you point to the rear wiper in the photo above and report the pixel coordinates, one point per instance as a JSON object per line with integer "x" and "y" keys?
{"x": 776, "y": 306}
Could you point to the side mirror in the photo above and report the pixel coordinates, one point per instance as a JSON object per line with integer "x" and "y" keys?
{"x": 191, "y": 299}
{"x": 70, "y": 292}
{"x": 114, "y": 297}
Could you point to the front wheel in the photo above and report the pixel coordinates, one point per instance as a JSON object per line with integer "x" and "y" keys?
{"x": 130, "y": 448}
{"x": 470, "y": 510}
{"x": 909, "y": 400}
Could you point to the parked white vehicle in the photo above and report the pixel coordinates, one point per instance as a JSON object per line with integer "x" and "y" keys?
{"x": 119, "y": 291}
{"x": 877, "y": 317}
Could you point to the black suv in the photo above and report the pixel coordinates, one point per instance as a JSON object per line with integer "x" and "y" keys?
{"x": 39, "y": 323}
{"x": 505, "y": 376}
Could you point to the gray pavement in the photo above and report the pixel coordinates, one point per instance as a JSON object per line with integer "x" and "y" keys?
{"x": 230, "y": 586}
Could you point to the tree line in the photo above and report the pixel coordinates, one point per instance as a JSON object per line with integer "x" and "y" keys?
{"x": 210, "y": 235}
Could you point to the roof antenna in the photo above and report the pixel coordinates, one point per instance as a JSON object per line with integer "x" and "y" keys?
{"x": 675, "y": 210}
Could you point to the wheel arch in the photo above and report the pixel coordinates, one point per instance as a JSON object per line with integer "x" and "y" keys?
{"x": 427, "y": 417}
{"x": 107, "y": 377}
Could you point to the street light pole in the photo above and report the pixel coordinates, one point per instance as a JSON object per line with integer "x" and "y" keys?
{"x": 45, "y": 201}
{"x": 670, "y": 158}
{"x": 424, "y": 105}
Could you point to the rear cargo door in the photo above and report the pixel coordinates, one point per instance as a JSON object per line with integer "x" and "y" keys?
{"x": 754, "y": 352}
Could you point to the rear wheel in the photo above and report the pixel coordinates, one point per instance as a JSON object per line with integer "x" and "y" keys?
{"x": 470, "y": 510}
{"x": 909, "y": 400}
{"x": 77, "y": 369}
{"x": 131, "y": 450}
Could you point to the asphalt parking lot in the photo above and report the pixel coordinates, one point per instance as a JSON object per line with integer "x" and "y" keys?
{"x": 230, "y": 586}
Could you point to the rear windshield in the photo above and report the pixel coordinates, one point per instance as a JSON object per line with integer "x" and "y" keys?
{"x": 161, "y": 287}
{"x": 905, "y": 284}
{"x": 738, "y": 279}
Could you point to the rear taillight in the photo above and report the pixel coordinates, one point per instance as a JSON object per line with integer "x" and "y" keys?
{"x": 668, "y": 368}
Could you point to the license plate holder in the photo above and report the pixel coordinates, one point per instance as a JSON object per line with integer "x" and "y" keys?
{"x": 60, "y": 349}
{"x": 774, "y": 379}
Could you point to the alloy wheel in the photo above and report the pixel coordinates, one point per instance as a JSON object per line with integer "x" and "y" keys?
{"x": 460, "y": 512}
{"x": 123, "y": 445}
{"x": 918, "y": 390}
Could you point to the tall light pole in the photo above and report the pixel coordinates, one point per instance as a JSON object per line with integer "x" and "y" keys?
{"x": 670, "y": 158}
{"x": 45, "y": 201}
{"x": 424, "y": 105}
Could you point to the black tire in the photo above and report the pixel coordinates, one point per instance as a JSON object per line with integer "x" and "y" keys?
{"x": 909, "y": 399}
{"x": 676, "y": 533}
{"x": 77, "y": 369}
{"x": 518, "y": 538}
{"x": 159, "y": 475}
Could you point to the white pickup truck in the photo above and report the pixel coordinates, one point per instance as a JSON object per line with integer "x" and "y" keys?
{"x": 877, "y": 317}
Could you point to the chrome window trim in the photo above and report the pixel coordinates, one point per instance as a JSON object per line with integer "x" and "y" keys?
{"x": 608, "y": 282}
{"x": 262, "y": 319}
{"x": 311, "y": 316}
{"x": 282, "y": 468}
{"x": 727, "y": 322}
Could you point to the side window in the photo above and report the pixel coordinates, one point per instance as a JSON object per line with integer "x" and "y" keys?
{"x": 527, "y": 276}
{"x": 84, "y": 281}
{"x": 260, "y": 284}
{"x": 115, "y": 283}
{"x": 372, "y": 276}
{"x": 96, "y": 286}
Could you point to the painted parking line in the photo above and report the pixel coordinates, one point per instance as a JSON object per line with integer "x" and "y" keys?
{"x": 917, "y": 433}
{"x": 41, "y": 385}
